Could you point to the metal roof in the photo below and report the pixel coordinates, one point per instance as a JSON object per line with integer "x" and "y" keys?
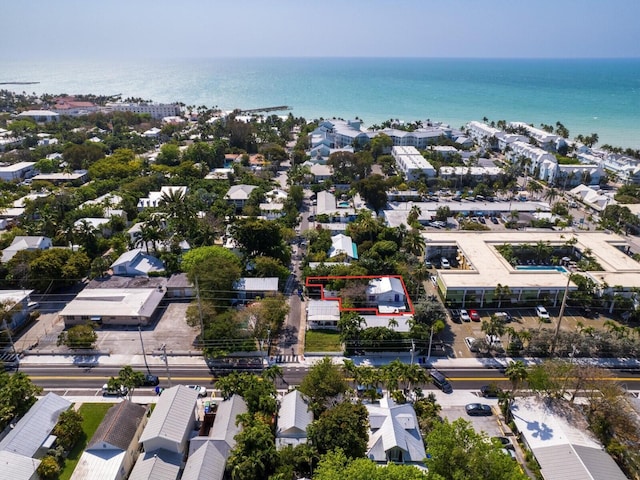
{"x": 224, "y": 426}
{"x": 294, "y": 416}
{"x": 18, "y": 467}
{"x": 207, "y": 461}
{"x": 35, "y": 426}
{"x": 172, "y": 416}
{"x": 157, "y": 465}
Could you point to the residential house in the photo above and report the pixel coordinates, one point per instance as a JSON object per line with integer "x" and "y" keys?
{"x": 16, "y": 171}
{"x": 208, "y": 454}
{"x": 387, "y": 294}
{"x": 320, "y": 172}
{"x": 238, "y": 195}
{"x": 29, "y": 243}
{"x": 154, "y": 200}
{"x": 271, "y": 211}
{"x": 113, "y": 306}
{"x": 17, "y": 301}
{"x": 394, "y": 434}
{"x": 135, "y": 262}
{"x": 294, "y": 417}
{"x": 592, "y": 197}
{"x": 172, "y": 421}
{"x": 157, "y": 465}
{"x": 249, "y": 288}
{"x": 343, "y": 245}
{"x": 323, "y": 314}
{"x": 30, "y": 438}
{"x": 179, "y": 286}
{"x": 561, "y": 448}
{"x": 113, "y": 449}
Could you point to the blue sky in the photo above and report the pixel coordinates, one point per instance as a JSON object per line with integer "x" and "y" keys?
{"x": 33, "y": 29}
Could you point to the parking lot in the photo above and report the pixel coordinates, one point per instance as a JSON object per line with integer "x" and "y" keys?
{"x": 522, "y": 318}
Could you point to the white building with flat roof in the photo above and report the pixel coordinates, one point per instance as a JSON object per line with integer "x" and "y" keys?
{"x": 156, "y": 110}
{"x": 413, "y": 165}
{"x": 480, "y": 266}
{"x": 113, "y": 306}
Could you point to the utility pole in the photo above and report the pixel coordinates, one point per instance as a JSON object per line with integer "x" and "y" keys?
{"x": 430, "y": 343}
{"x": 166, "y": 362}
{"x": 144, "y": 355}
{"x": 560, "y": 315}
{"x": 200, "y": 313}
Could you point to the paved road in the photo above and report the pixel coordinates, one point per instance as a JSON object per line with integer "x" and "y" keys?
{"x": 92, "y": 378}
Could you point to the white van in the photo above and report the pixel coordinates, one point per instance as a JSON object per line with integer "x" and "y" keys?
{"x": 444, "y": 263}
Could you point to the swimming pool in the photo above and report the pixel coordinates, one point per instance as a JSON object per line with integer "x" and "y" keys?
{"x": 557, "y": 268}
{"x": 344, "y": 204}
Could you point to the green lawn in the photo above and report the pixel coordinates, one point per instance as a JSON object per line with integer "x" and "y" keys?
{"x": 92, "y": 415}
{"x": 322, "y": 341}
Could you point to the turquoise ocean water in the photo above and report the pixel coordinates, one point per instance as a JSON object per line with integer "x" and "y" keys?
{"x": 589, "y": 96}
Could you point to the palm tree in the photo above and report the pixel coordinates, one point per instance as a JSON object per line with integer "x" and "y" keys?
{"x": 150, "y": 233}
{"x": 516, "y": 372}
{"x": 414, "y": 243}
{"x": 420, "y": 274}
{"x": 501, "y": 292}
{"x": 551, "y": 194}
{"x": 414, "y": 214}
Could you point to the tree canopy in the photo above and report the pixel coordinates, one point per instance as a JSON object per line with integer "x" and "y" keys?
{"x": 323, "y": 384}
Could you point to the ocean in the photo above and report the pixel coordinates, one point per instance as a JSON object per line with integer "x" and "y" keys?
{"x": 587, "y": 95}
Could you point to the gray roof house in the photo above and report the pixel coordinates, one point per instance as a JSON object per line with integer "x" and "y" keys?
{"x": 394, "y": 433}
{"x": 239, "y": 194}
{"x": 563, "y": 449}
{"x": 18, "y": 467}
{"x": 171, "y": 421}
{"x": 157, "y": 465}
{"x": 249, "y": 287}
{"x": 208, "y": 455}
{"x": 294, "y": 417}
{"x": 113, "y": 449}
{"x": 22, "y": 242}
{"x": 30, "y": 438}
{"x": 135, "y": 262}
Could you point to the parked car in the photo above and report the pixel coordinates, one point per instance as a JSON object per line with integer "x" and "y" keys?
{"x": 490, "y": 391}
{"x": 464, "y": 316}
{"x": 475, "y": 316}
{"x": 444, "y": 263}
{"x": 542, "y": 313}
{"x": 505, "y": 442}
{"x": 150, "y": 380}
{"x": 494, "y": 220}
{"x": 504, "y": 316}
{"x": 455, "y": 315}
{"x": 589, "y": 313}
{"x": 470, "y": 342}
{"x": 428, "y": 263}
{"x": 482, "y": 220}
{"x": 107, "y": 391}
{"x": 202, "y": 391}
{"x": 478, "y": 410}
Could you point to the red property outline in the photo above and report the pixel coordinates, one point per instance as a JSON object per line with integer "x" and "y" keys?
{"x": 308, "y": 283}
